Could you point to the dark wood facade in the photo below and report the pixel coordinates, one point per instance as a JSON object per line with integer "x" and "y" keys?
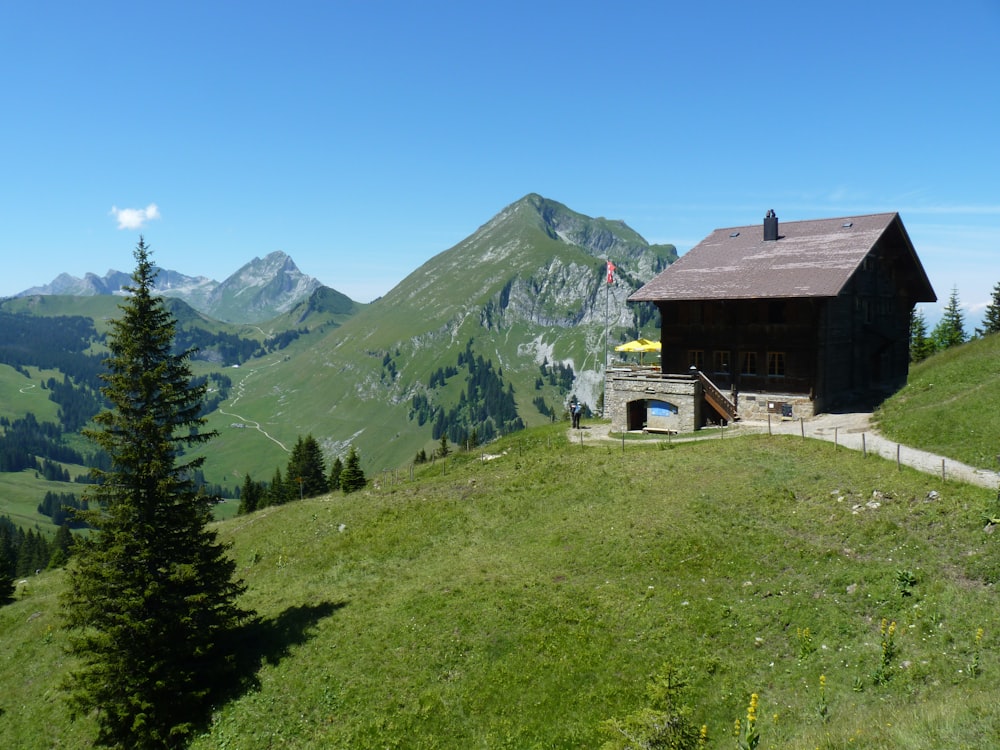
{"x": 821, "y": 312}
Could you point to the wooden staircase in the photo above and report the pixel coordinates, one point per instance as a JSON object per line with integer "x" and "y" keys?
{"x": 717, "y": 399}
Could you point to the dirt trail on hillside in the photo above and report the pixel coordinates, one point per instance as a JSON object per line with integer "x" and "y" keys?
{"x": 853, "y": 431}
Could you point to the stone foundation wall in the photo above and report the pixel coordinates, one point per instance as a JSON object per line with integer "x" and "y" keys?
{"x": 756, "y": 406}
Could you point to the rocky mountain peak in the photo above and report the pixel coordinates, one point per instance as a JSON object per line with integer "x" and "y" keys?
{"x": 261, "y": 290}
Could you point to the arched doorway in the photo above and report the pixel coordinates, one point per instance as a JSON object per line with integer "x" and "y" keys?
{"x": 636, "y": 415}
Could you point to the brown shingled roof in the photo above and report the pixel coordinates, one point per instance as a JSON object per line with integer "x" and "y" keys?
{"x": 812, "y": 258}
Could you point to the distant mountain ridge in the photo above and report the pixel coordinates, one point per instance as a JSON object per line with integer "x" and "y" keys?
{"x": 260, "y": 290}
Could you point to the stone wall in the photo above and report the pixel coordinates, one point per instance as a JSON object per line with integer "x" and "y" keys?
{"x": 626, "y": 387}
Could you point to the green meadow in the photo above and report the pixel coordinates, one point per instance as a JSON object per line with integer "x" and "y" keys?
{"x": 520, "y": 595}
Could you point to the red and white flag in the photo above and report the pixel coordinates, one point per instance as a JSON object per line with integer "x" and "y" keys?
{"x": 611, "y": 272}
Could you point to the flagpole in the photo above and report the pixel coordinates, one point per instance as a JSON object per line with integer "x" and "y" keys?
{"x": 607, "y": 330}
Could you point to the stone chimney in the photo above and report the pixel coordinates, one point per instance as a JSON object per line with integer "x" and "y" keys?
{"x": 770, "y": 226}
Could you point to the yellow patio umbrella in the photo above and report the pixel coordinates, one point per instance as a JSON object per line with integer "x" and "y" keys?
{"x": 639, "y": 345}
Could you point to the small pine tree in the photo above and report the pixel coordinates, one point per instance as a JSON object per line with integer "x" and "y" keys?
{"x": 307, "y": 468}
{"x": 251, "y": 494}
{"x": 443, "y": 449}
{"x": 921, "y": 346}
{"x": 280, "y": 490}
{"x": 336, "y": 469}
{"x": 352, "y": 478}
{"x": 991, "y": 318}
{"x": 62, "y": 545}
{"x": 950, "y": 331}
{"x": 150, "y": 597}
{"x": 667, "y": 723}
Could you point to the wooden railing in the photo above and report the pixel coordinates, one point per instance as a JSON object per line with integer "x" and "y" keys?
{"x": 717, "y": 398}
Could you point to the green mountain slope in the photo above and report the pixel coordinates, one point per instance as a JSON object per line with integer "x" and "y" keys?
{"x": 520, "y": 600}
{"x": 50, "y": 361}
{"x": 527, "y": 289}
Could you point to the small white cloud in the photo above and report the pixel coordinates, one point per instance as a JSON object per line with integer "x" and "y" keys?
{"x": 135, "y": 218}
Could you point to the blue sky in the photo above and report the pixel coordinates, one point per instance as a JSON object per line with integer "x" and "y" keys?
{"x": 362, "y": 138}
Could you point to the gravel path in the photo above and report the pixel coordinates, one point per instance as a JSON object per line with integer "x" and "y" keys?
{"x": 853, "y": 431}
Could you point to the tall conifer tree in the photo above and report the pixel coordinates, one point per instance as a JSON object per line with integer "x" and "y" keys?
{"x": 151, "y": 595}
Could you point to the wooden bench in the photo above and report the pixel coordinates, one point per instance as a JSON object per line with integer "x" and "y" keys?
{"x": 660, "y": 430}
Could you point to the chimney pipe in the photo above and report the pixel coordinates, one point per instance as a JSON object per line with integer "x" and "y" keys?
{"x": 770, "y": 226}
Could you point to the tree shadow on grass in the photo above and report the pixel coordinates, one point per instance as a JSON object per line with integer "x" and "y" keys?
{"x": 262, "y": 641}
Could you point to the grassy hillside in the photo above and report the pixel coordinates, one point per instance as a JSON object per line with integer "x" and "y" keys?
{"x": 100, "y": 308}
{"x": 949, "y": 405}
{"x": 21, "y": 492}
{"x": 519, "y": 599}
{"x": 20, "y": 394}
{"x": 520, "y": 288}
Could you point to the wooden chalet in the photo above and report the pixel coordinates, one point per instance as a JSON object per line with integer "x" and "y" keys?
{"x": 809, "y": 317}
